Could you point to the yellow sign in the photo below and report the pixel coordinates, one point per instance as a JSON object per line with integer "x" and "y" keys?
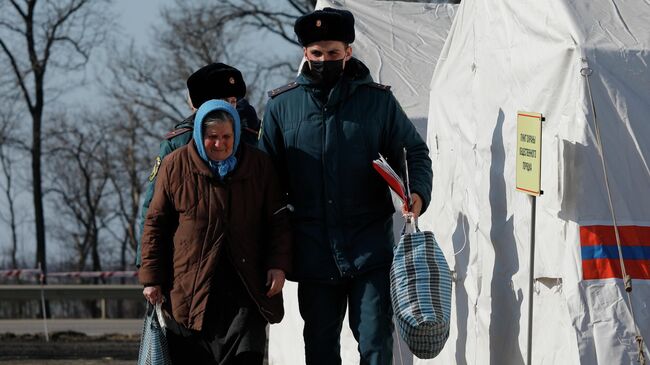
{"x": 529, "y": 152}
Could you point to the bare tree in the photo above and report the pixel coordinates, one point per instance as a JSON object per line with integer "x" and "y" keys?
{"x": 146, "y": 99}
{"x": 192, "y": 35}
{"x": 130, "y": 151}
{"x": 262, "y": 18}
{"x": 268, "y": 16}
{"x": 78, "y": 166}
{"x": 36, "y": 35}
{"x": 196, "y": 33}
{"x": 9, "y": 191}
{"x": 143, "y": 81}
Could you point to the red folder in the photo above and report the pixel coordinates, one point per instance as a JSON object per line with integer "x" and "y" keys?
{"x": 394, "y": 181}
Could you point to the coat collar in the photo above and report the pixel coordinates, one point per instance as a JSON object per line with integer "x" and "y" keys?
{"x": 355, "y": 74}
{"x": 242, "y": 171}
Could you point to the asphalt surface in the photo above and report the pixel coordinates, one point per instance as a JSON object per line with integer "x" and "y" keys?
{"x": 90, "y": 327}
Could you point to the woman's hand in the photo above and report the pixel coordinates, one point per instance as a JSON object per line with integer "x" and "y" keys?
{"x": 153, "y": 294}
{"x": 274, "y": 281}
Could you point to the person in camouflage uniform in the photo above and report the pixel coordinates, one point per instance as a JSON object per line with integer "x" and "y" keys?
{"x": 213, "y": 81}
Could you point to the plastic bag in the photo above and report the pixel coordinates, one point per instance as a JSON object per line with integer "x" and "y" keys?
{"x": 153, "y": 343}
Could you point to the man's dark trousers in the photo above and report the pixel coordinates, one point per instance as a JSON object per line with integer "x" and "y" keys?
{"x": 323, "y": 305}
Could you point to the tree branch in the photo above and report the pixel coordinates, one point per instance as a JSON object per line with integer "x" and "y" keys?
{"x": 51, "y": 34}
{"x": 18, "y": 74}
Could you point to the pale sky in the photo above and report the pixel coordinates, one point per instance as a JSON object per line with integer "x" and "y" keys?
{"x": 138, "y": 16}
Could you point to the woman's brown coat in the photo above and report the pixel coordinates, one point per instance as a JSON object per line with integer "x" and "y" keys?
{"x": 193, "y": 216}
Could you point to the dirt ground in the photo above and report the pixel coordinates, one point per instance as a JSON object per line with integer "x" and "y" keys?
{"x": 68, "y": 348}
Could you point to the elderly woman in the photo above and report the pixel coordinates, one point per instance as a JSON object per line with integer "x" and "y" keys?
{"x": 216, "y": 244}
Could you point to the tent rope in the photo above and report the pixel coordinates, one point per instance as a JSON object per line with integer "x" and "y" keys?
{"x": 586, "y": 72}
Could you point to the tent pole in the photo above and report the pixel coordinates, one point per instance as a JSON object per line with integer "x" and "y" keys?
{"x": 531, "y": 280}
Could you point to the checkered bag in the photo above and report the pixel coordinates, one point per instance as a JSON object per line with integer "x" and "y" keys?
{"x": 420, "y": 288}
{"x": 153, "y": 344}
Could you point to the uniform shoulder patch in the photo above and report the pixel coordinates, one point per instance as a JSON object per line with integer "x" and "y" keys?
{"x": 379, "y": 86}
{"x": 156, "y": 167}
{"x": 176, "y": 132}
{"x": 281, "y": 89}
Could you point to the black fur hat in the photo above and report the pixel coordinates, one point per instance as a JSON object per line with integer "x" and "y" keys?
{"x": 215, "y": 81}
{"x": 327, "y": 24}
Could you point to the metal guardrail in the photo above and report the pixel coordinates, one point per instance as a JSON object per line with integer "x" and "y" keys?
{"x": 81, "y": 292}
{"x": 76, "y": 292}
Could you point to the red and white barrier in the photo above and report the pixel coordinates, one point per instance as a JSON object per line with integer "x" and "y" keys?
{"x": 70, "y": 274}
{"x": 19, "y": 272}
{"x": 94, "y": 274}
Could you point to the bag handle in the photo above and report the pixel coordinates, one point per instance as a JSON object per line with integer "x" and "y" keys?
{"x": 410, "y": 224}
{"x": 159, "y": 314}
{"x": 156, "y": 309}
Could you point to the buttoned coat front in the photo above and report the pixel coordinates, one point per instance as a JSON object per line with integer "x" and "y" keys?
{"x": 323, "y": 147}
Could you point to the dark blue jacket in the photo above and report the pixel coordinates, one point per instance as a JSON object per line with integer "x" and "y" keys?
{"x": 323, "y": 146}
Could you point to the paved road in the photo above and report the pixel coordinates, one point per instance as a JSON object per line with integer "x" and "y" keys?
{"x": 91, "y": 327}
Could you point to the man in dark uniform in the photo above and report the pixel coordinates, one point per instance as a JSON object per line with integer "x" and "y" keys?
{"x": 213, "y": 81}
{"x": 323, "y": 132}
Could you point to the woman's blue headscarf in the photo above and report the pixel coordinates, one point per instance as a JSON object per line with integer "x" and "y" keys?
{"x": 219, "y": 168}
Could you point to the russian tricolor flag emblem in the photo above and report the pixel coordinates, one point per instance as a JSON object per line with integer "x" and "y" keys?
{"x": 600, "y": 258}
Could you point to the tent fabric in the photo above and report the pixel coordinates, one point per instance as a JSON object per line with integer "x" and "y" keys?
{"x": 501, "y": 58}
{"x": 400, "y": 43}
{"x": 515, "y": 55}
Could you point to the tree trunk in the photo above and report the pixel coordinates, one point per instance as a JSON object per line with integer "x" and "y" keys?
{"x": 14, "y": 236}
{"x": 38, "y": 193}
{"x": 6, "y": 169}
{"x": 39, "y": 217}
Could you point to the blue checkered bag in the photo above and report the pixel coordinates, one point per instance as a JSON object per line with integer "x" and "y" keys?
{"x": 420, "y": 289}
{"x": 153, "y": 343}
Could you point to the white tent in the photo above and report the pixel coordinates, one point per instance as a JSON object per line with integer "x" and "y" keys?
{"x": 500, "y": 58}
{"x": 399, "y": 42}
{"x": 506, "y": 56}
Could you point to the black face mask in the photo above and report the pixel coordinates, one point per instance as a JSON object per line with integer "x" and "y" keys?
{"x": 326, "y": 73}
